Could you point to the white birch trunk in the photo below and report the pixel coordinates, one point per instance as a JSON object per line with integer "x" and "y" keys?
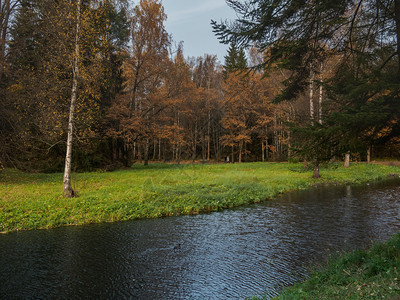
{"x": 275, "y": 136}
{"x": 316, "y": 170}
{"x": 266, "y": 142}
{"x": 178, "y": 142}
{"x": 347, "y": 160}
{"x": 208, "y": 136}
{"x": 289, "y": 138}
{"x": 194, "y": 142}
{"x": 320, "y": 99}
{"x": 311, "y": 97}
{"x": 68, "y": 192}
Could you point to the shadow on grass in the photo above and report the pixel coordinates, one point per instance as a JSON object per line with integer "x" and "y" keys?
{"x": 14, "y": 176}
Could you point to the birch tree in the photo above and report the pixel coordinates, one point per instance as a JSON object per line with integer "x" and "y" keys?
{"x": 363, "y": 88}
{"x": 68, "y": 192}
{"x": 7, "y": 10}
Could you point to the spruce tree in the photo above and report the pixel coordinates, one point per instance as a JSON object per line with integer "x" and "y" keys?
{"x": 363, "y": 36}
{"x": 235, "y": 60}
{"x": 230, "y": 60}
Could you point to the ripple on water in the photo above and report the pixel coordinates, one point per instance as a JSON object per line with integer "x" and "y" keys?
{"x": 226, "y": 255}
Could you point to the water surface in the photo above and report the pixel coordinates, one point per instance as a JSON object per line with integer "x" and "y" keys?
{"x": 225, "y": 255}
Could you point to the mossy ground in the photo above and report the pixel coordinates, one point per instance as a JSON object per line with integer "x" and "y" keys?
{"x": 34, "y": 201}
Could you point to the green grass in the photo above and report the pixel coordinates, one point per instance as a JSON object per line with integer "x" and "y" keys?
{"x": 34, "y": 201}
{"x": 372, "y": 274}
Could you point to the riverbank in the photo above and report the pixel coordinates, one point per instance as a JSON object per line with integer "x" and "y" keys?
{"x": 372, "y": 274}
{"x": 34, "y": 201}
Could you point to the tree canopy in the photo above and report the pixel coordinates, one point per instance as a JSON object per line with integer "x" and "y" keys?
{"x": 306, "y": 80}
{"x": 361, "y": 93}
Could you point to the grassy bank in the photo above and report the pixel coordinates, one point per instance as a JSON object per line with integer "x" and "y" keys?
{"x": 372, "y": 274}
{"x": 33, "y": 201}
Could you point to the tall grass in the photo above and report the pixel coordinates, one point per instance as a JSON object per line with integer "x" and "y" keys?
{"x": 34, "y": 201}
{"x": 372, "y": 274}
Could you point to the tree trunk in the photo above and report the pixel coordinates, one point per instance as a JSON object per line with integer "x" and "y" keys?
{"x": 245, "y": 152}
{"x": 347, "y": 160}
{"x": 159, "y": 149}
{"x": 178, "y": 140}
{"x": 194, "y": 151}
{"x": 146, "y": 152}
{"x": 154, "y": 150}
{"x": 369, "y": 154}
{"x": 208, "y": 136}
{"x": 134, "y": 151}
{"x": 397, "y": 21}
{"x": 178, "y": 153}
{"x": 311, "y": 97}
{"x": 139, "y": 152}
{"x": 203, "y": 148}
{"x": 240, "y": 151}
{"x": 173, "y": 150}
{"x": 127, "y": 154}
{"x": 275, "y": 141}
{"x": 7, "y": 9}
{"x": 194, "y": 148}
{"x": 266, "y": 142}
{"x": 114, "y": 150}
{"x": 316, "y": 170}
{"x": 289, "y": 139}
{"x": 217, "y": 150}
{"x": 4, "y": 16}
{"x": 320, "y": 98}
{"x": 262, "y": 151}
{"x": 265, "y": 150}
{"x": 68, "y": 192}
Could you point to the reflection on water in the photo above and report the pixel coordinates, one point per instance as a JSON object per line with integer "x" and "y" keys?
{"x": 229, "y": 254}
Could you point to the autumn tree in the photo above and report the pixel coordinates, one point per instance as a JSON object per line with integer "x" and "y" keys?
{"x": 207, "y": 77}
{"x": 68, "y": 192}
{"x": 362, "y": 90}
{"x": 178, "y": 87}
{"x": 7, "y": 11}
{"x": 40, "y": 58}
{"x": 246, "y": 106}
{"x": 41, "y": 78}
{"x": 7, "y": 114}
{"x": 134, "y": 112}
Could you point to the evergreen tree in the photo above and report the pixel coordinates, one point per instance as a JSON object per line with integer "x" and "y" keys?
{"x": 40, "y": 59}
{"x": 230, "y": 59}
{"x": 299, "y": 35}
{"x": 235, "y": 60}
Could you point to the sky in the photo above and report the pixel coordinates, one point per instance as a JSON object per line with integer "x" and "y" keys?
{"x": 190, "y": 21}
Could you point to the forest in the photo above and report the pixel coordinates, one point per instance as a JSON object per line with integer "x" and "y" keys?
{"x": 93, "y": 86}
{"x": 102, "y": 82}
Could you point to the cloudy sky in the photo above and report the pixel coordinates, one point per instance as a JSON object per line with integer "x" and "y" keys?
{"x": 189, "y": 21}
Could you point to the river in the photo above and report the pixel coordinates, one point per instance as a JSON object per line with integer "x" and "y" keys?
{"x": 231, "y": 254}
